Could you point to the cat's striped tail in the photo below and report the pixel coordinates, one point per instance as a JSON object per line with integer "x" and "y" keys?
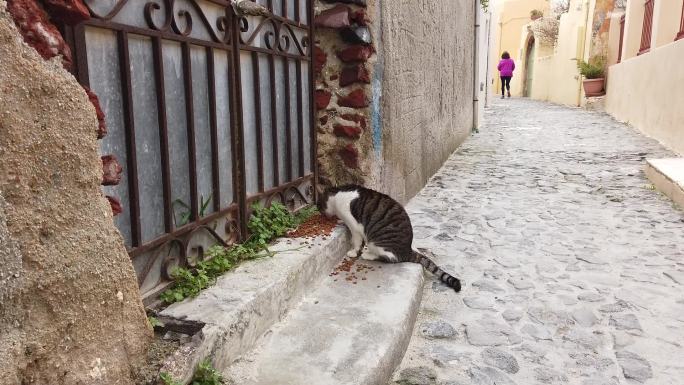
{"x": 429, "y": 265}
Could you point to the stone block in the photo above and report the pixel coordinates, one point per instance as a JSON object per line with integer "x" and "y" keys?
{"x": 355, "y": 53}
{"x": 38, "y": 32}
{"x": 355, "y": 99}
{"x": 320, "y": 58}
{"x": 111, "y": 170}
{"x": 354, "y": 74}
{"x": 335, "y": 17}
{"x": 350, "y": 156}
{"x": 357, "y": 34}
{"x": 347, "y": 131}
{"x": 101, "y": 123}
{"x": 70, "y": 12}
{"x": 322, "y": 98}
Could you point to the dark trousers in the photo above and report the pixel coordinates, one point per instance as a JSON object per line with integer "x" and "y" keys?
{"x": 505, "y": 83}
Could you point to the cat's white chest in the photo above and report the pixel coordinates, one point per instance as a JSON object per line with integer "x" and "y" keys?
{"x": 340, "y": 206}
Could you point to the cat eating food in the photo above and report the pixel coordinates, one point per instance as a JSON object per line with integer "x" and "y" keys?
{"x": 382, "y": 224}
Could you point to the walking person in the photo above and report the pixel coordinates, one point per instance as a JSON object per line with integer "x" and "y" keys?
{"x": 506, "y": 68}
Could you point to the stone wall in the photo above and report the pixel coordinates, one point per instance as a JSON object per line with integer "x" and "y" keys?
{"x": 70, "y": 311}
{"x": 394, "y": 90}
{"x": 427, "y": 90}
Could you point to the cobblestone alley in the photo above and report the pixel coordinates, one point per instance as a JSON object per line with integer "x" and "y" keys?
{"x": 573, "y": 265}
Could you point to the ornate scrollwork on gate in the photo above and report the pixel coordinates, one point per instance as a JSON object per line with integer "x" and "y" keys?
{"x": 179, "y": 17}
{"x": 278, "y": 35}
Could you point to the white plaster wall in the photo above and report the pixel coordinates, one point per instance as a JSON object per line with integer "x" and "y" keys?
{"x": 640, "y": 92}
{"x": 427, "y": 90}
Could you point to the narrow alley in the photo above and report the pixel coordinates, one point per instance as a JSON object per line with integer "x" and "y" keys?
{"x": 573, "y": 265}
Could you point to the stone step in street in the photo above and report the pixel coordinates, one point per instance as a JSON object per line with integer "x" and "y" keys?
{"x": 667, "y": 175}
{"x": 344, "y": 333}
{"x": 246, "y": 302}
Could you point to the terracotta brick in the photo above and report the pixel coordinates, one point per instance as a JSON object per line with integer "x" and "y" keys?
{"x": 37, "y": 30}
{"x": 354, "y": 74}
{"x": 347, "y": 131}
{"x": 102, "y": 125}
{"x": 322, "y": 98}
{"x": 115, "y": 204}
{"x": 320, "y": 58}
{"x": 111, "y": 170}
{"x": 350, "y": 156}
{"x": 355, "y": 99}
{"x": 359, "y": 17}
{"x": 335, "y": 17}
{"x": 70, "y": 12}
{"x": 355, "y": 53}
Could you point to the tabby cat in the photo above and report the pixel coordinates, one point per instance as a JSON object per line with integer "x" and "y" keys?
{"x": 382, "y": 224}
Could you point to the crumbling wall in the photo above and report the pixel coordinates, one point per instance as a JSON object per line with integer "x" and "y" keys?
{"x": 344, "y": 56}
{"x": 70, "y": 310}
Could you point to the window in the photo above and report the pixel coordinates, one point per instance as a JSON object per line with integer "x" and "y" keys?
{"x": 647, "y": 28}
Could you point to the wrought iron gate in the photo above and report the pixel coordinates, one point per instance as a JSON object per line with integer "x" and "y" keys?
{"x": 207, "y": 111}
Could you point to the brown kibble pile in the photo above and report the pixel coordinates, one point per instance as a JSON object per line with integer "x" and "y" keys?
{"x": 314, "y": 226}
{"x": 351, "y": 270}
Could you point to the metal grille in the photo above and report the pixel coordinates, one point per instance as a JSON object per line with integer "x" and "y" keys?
{"x": 207, "y": 111}
{"x": 647, "y": 27}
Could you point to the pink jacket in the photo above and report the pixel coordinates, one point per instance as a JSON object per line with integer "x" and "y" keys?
{"x": 506, "y": 67}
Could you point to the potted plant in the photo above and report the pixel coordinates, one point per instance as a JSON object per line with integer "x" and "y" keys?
{"x": 536, "y": 14}
{"x": 593, "y": 72}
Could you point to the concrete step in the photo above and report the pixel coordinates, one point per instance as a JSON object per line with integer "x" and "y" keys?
{"x": 667, "y": 175}
{"x": 341, "y": 334}
{"x": 246, "y": 302}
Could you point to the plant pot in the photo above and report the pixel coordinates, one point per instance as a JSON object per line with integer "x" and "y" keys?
{"x": 593, "y": 87}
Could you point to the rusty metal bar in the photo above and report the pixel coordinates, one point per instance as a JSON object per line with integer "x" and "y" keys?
{"x": 180, "y": 231}
{"x": 238, "y": 123}
{"x": 274, "y": 121}
{"x": 127, "y": 93}
{"x": 163, "y": 131}
{"x": 312, "y": 105}
{"x": 300, "y": 119}
{"x": 297, "y": 17}
{"x": 288, "y": 121}
{"x": 211, "y": 77}
{"x": 257, "y": 117}
{"x": 190, "y": 122}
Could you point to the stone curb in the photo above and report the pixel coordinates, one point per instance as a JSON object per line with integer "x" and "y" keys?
{"x": 245, "y": 303}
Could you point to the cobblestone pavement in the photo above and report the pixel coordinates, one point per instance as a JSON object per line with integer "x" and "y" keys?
{"x": 573, "y": 266}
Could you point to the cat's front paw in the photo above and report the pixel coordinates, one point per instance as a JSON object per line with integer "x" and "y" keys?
{"x": 368, "y": 256}
{"x": 352, "y": 253}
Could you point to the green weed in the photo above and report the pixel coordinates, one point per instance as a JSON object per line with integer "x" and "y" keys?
{"x": 155, "y": 322}
{"x": 265, "y": 225}
{"x": 205, "y": 374}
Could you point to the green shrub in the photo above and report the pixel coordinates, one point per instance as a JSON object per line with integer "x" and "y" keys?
{"x": 593, "y": 69}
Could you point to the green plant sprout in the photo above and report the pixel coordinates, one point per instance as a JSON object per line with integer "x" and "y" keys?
{"x": 265, "y": 225}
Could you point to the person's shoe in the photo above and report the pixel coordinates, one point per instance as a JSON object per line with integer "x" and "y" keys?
{"x": 509, "y": 94}
{"x": 503, "y": 97}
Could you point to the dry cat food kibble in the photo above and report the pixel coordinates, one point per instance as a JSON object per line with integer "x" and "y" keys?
{"x": 351, "y": 269}
{"x": 314, "y": 226}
